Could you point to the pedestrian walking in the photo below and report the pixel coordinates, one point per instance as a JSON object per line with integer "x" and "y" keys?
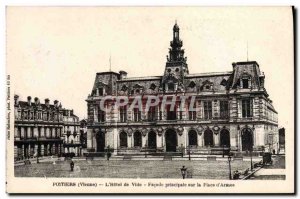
{"x": 72, "y": 165}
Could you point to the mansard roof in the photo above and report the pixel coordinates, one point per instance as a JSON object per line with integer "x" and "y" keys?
{"x": 25, "y": 105}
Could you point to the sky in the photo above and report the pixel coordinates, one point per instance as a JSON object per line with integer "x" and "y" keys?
{"x": 55, "y": 52}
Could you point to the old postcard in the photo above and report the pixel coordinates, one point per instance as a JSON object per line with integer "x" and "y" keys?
{"x": 150, "y": 100}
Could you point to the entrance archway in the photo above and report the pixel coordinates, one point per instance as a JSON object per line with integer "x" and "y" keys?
{"x": 152, "y": 140}
{"x": 208, "y": 138}
{"x": 123, "y": 139}
{"x": 100, "y": 137}
{"x": 137, "y": 136}
{"x": 247, "y": 139}
{"x": 225, "y": 138}
{"x": 171, "y": 140}
{"x": 193, "y": 139}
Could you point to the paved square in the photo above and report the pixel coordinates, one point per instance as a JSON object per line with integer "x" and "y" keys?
{"x": 132, "y": 169}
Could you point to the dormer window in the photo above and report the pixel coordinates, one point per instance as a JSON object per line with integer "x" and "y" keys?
{"x": 245, "y": 83}
{"x": 192, "y": 84}
{"x": 153, "y": 86}
{"x": 245, "y": 80}
{"x": 171, "y": 87}
{"x": 206, "y": 86}
{"x": 101, "y": 91}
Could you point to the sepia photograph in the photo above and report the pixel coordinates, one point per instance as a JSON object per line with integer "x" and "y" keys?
{"x": 150, "y": 99}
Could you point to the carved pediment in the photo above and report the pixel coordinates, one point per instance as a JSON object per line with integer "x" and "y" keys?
{"x": 207, "y": 86}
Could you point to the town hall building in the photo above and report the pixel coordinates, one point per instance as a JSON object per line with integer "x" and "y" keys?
{"x": 232, "y": 110}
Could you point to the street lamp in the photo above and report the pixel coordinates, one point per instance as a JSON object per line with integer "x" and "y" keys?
{"x": 229, "y": 160}
{"x": 251, "y": 158}
{"x": 183, "y": 172}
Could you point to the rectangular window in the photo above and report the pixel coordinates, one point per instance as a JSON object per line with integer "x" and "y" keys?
{"x": 171, "y": 114}
{"x": 245, "y": 83}
{"x": 25, "y": 132}
{"x": 207, "y": 110}
{"x": 39, "y": 132}
{"x": 123, "y": 114}
{"x": 101, "y": 92}
{"x": 137, "y": 115}
{"x": 19, "y": 132}
{"x": 246, "y": 108}
{"x": 224, "y": 109}
{"x": 171, "y": 87}
{"x": 101, "y": 115}
{"x": 192, "y": 111}
{"x": 152, "y": 114}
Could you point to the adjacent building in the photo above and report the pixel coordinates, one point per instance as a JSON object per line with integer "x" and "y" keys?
{"x": 38, "y": 128}
{"x": 44, "y": 129}
{"x": 71, "y": 133}
{"x": 232, "y": 110}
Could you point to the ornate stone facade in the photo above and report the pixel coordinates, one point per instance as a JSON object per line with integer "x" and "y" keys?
{"x": 44, "y": 129}
{"x": 231, "y": 110}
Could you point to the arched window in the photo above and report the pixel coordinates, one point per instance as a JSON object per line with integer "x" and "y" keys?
{"x": 152, "y": 140}
{"x": 171, "y": 140}
{"x": 137, "y": 139}
{"x": 123, "y": 139}
{"x": 208, "y": 138}
{"x": 193, "y": 140}
{"x": 100, "y": 139}
{"x": 247, "y": 139}
{"x": 225, "y": 138}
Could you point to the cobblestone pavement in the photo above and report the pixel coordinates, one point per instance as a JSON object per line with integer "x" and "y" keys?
{"x": 131, "y": 169}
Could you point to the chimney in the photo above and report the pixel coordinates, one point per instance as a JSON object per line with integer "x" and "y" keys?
{"x": 233, "y": 65}
{"x": 29, "y": 100}
{"x": 47, "y": 102}
{"x": 56, "y": 103}
{"x": 71, "y": 112}
{"x": 123, "y": 74}
{"x": 36, "y": 100}
{"x": 16, "y": 98}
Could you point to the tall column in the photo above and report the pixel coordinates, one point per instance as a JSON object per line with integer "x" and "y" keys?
{"x": 159, "y": 141}
{"x": 35, "y": 132}
{"x": 46, "y": 149}
{"x": 29, "y": 150}
{"x": 163, "y": 141}
{"x": 144, "y": 140}
{"x": 239, "y": 141}
{"x": 35, "y": 150}
{"x": 22, "y": 132}
{"x": 42, "y": 132}
{"x": 217, "y": 139}
{"x": 42, "y": 150}
{"x": 23, "y": 151}
{"x": 200, "y": 140}
{"x": 89, "y": 139}
{"x": 15, "y": 151}
{"x": 130, "y": 141}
